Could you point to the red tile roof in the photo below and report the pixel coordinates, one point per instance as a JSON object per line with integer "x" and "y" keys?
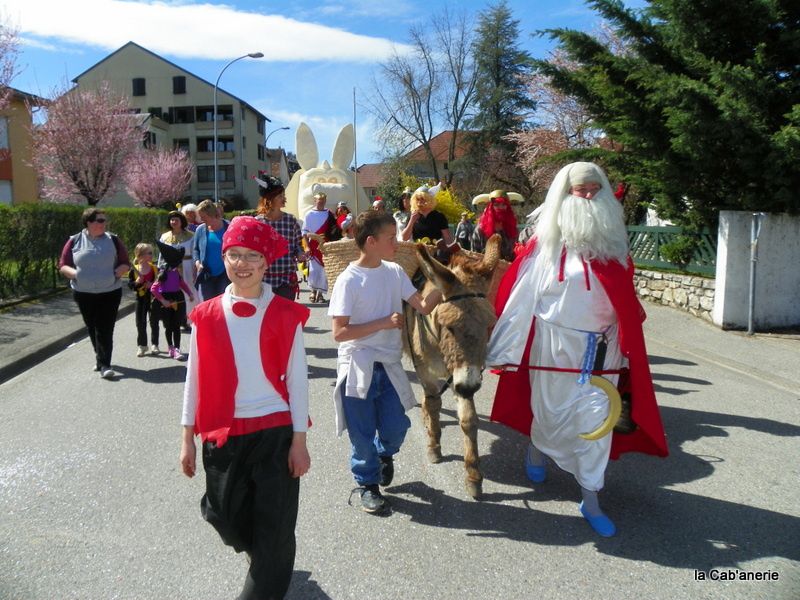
{"x": 370, "y": 175}
{"x": 439, "y": 146}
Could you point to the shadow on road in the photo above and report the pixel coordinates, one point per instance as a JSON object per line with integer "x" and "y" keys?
{"x": 305, "y": 588}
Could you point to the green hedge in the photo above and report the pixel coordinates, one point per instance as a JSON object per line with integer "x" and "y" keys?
{"x": 33, "y": 235}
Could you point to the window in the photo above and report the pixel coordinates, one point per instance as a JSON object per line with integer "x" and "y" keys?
{"x": 138, "y": 86}
{"x": 244, "y": 172}
{"x": 149, "y": 139}
{"x": 226, "y": 173}
{"x": 4, "y": 132}
{"x": 204, "y": 114}
{"x": 155, "y": 111}
{"x": 244, "y": 142}
{"x": 243, "y": 113}
{"x": 181, "y": 144}
{"x": 260, "y": 152}
{"x": 205, "y": 174}
{"x": 179, "y": 85}
{"x": 181, "y": 114}
{"x": 260, "y": 125}
{"x": 206, "y": 144}
{"x": 225, "y": 113}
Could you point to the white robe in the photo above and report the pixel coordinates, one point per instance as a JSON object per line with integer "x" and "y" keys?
{"x": 566, "y": 316}
{"x": 317, "y": 279}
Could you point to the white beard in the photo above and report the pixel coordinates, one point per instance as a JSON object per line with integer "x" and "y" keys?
{"x": 594, "y": 228}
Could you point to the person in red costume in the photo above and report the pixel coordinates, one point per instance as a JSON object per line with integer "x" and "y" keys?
{"x": 567, "y": 309}
{"x": 498, "y": 217}
{"x": 246, "y": 395}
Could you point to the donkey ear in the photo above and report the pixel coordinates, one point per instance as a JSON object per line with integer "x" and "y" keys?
{"x": 435, "y": 272}
{"x": 306, "y": 146}
{"x": 344, "y": 148}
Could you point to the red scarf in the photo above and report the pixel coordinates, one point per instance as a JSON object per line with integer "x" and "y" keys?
{"x": 512, "y": 399}
{"x": 217, "y": 376}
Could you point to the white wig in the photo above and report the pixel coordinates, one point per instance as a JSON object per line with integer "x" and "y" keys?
{"x": 595, "y": 228}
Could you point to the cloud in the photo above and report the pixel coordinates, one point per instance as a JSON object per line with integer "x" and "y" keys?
{"x": 192, "y": 30}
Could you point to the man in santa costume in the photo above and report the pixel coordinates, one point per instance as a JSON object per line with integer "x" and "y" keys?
{"x": 567, "y": 310}
{"x": 322, "y": 222}
{"x": 246, "y": 395}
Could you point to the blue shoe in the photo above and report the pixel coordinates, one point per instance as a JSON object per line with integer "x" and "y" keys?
{"x": 537, "y": 474}
{"x": 600, "y": 523}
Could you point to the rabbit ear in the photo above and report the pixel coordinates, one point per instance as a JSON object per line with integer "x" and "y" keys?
{"x": 344, "y": 148}
{"x": 306, "y": 145}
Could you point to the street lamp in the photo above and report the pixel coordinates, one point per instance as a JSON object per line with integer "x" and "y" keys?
{"x": 216, "y": 85}
{"x": 273, "y": 131}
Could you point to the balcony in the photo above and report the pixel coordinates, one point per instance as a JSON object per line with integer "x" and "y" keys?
{"x": 221, "y": 155}
{"x": 209, "y": 125}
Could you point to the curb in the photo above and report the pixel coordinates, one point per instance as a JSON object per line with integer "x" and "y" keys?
{"x": 53, "y": 347}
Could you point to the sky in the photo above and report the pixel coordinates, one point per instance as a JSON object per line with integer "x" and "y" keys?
{"x": 316, "y": 53}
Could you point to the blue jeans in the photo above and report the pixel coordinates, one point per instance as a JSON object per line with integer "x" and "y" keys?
{"x": 376, "y": 425}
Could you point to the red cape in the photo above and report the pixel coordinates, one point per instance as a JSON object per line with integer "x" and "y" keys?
{"x": 512, "y": 405}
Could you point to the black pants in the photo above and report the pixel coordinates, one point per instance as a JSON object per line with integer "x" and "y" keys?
{"x": 251, "y": 500}
{"x": 173, "y": 318}
{"x": 99, "y": 312}
{"x": 286, "y": 291}
{"x": 146, "y": 311}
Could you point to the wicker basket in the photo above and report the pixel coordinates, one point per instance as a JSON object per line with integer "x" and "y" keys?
{"x": 338, "y": 255}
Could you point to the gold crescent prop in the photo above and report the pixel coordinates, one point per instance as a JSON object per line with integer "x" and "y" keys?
{"x": 614, "y": 408}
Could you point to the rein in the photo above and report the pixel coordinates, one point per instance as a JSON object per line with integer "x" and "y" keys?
{"x": 463, "y": 296}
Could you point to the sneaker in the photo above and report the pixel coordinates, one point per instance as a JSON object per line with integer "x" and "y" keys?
{"x": 141, "y": 351}
{"x": 154, "y": 349}
{"x": 371, "y": 499}
{"x": 177, "y": 354}
{"x": 106, "y": 373}
{"x": 171, "y": 351}
{"x": 387, "y": 470}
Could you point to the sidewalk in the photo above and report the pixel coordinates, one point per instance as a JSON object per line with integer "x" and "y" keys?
{"x": 33, "y": 331}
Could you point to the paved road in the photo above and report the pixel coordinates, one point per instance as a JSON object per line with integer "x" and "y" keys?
{"x": 94, "y": 507}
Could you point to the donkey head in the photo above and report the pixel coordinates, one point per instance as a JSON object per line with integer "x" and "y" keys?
{"x": 464, "y": 317}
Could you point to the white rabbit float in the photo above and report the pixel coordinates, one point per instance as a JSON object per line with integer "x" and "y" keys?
{"x": 334, "y": 179}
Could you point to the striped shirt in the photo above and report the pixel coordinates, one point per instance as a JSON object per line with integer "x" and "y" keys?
{"x": 283, "y": 270}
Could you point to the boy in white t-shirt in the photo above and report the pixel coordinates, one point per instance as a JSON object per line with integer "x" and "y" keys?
{"x": 372, "y": 390}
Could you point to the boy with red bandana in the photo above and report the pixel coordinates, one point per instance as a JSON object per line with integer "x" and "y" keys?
{"x": 246, "y": 395}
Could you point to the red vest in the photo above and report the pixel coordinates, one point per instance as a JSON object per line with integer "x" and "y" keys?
{"x": 216, "y": 368}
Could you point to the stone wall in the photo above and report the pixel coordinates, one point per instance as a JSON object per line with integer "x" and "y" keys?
{"x": 689, "y": 293}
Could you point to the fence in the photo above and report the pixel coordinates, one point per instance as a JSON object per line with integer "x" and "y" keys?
{"x": 646, "y": 245}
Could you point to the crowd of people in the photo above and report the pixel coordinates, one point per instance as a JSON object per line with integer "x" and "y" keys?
{"x": 567, "y": 312}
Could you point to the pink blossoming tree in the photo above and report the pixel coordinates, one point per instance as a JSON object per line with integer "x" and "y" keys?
{"x": 154, "y": 177}
{"x": 9, "y": 50}
{"x": 82, "y": 150}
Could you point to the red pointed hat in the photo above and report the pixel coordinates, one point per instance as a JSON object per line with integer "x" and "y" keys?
{"x": 250, "y": 233}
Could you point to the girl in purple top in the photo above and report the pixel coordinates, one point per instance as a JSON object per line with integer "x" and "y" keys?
{"x": 167, "y": 290}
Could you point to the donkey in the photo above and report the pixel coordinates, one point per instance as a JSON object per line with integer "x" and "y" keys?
{"x": 450, "y": 344}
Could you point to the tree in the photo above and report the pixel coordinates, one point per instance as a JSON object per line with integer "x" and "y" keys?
{"x": 428, "y": 90}
{"x": 157, "y": 176}
{"x": 704, "y": 107}
{"x": 82, "y": 148}
{"x": 9, "y": 50}
{"x": 503, "y": 105}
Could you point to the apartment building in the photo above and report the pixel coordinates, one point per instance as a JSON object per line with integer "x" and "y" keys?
{"x": 181, "y": 106}
{"x": 18, "y": 180}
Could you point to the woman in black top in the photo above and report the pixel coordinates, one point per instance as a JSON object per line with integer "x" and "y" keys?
{"x": 425, "y": 220}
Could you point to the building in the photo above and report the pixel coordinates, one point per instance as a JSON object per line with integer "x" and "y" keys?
{"x": 370, "y": 176}
{"x": 420, "y": 163}
{"x": 181, "y": 106}
{"x": 18, "y": 179}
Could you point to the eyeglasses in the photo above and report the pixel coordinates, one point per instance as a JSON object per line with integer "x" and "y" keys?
{"x": 98, "y": 220}
{"x": 251, "y": 257}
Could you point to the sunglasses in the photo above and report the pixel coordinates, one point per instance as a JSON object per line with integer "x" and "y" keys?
{"x": 98, "y": 220}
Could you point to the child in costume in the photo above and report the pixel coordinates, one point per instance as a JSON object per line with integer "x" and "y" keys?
{"x": 141, "y": 277}
{"x": 246, "y": 395}
{"x": 167, "y": 290}
{"x": 372, "y": 390}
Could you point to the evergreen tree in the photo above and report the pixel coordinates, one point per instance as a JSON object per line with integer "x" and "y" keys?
{"x": 706, "y": 105}
{"x": 501, "y": 97}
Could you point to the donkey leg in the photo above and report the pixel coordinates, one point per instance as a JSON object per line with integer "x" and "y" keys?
{"x": 431, "y": 407}
{"x": 468, "y": 419}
